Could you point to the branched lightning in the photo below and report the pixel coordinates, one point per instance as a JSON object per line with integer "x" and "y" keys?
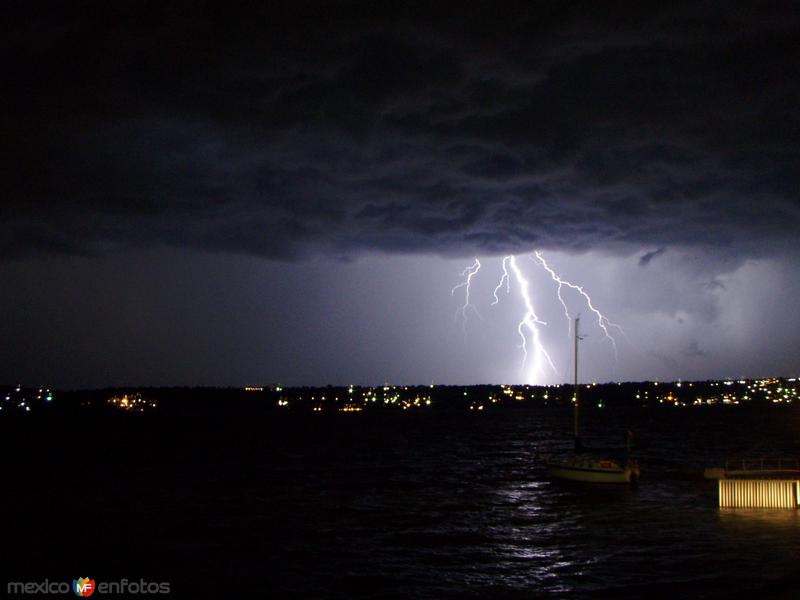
{"x": 502, "y": 279}
{"x": 602, "y": 320}
{"x": 468, "y": 273}
{"x": 534, "y": 355}
{"x": 529, "y": 322}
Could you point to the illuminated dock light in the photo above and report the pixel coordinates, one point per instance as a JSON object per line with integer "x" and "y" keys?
{"x": 759, "y": 493}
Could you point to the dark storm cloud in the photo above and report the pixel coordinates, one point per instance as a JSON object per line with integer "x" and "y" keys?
{"x": 341, "y": 128}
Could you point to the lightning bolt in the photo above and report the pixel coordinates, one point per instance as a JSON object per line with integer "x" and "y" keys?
{"x": 602, "y": 320}
{"x": 502, "y": 279}
{"x": 468, "y": 273}
{"x": 534, "y": 354}
{"x": 529, "y": 322}
{"x": 561, "y": 284}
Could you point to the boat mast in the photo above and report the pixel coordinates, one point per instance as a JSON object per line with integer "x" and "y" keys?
{"x": 576, "y": 404}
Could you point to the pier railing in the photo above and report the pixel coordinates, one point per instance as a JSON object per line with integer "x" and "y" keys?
{"x": 762, "y": 466}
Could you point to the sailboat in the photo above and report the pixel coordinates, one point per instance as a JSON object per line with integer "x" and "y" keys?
{"x": 583, "y": 465}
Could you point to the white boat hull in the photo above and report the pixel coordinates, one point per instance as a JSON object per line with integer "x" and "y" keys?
{"x": 592, "y": 471}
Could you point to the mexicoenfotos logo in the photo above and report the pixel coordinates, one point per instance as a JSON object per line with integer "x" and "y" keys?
{"x": 83, "y": 586}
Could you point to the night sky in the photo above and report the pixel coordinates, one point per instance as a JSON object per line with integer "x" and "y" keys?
{"x": 196, "y": 195}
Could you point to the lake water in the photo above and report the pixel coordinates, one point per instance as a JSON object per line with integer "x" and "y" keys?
{"x": 436, "y": 504}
